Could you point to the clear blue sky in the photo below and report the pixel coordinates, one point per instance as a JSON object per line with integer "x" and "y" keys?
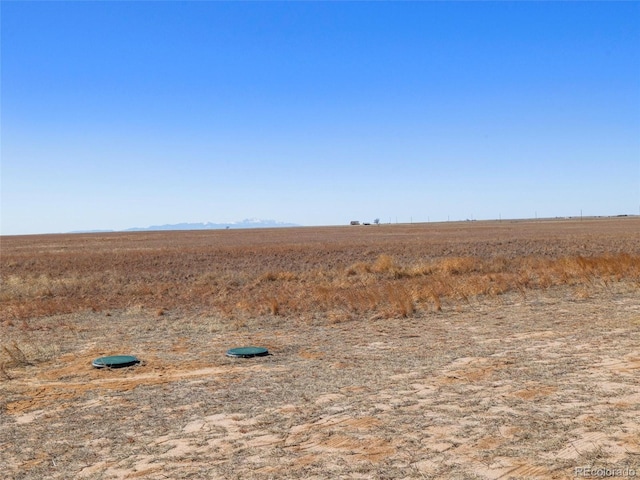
{"x": 129, "y": 114}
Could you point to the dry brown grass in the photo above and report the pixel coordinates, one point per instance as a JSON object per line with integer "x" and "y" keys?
{"x": 484, "y": 350}
{"x": 50, "y": 275}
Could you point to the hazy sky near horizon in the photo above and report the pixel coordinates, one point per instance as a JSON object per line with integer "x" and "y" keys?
{"x": 129, "y": 114}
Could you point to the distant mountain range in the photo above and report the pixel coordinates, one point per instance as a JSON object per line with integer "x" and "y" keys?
{"x": 246, "y": 223}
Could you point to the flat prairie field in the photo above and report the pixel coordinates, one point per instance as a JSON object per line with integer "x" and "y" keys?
{"x": 458, "y": 350}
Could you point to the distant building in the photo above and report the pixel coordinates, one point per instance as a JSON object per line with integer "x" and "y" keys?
{"x": 355, "y": 222}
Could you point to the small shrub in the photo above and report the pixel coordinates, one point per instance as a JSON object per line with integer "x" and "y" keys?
{"x": 274, "y": 306}
{"x": 383, "y": 264}
{"x": 401, "y": 300}
{"x": 458, "y": 265}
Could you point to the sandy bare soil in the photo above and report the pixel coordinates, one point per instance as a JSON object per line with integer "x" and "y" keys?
{"x": 542, "y": 383}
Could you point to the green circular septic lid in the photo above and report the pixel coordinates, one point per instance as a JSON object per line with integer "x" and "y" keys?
{"x": 247, "y": 352}
{"x": 115, "y": 361}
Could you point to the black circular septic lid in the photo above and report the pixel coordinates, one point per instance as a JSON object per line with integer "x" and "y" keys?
{"x": 115, "y": 361}
{"x": 247, "y": 352}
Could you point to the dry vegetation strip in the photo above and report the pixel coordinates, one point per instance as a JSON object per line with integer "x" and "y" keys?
{"x": 386, "y": 271}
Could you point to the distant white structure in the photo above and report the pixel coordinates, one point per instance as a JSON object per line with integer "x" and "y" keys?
{"x": 355, "y": 222}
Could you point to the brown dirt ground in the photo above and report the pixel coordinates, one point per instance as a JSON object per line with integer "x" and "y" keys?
{"x": 520, "y": 385}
